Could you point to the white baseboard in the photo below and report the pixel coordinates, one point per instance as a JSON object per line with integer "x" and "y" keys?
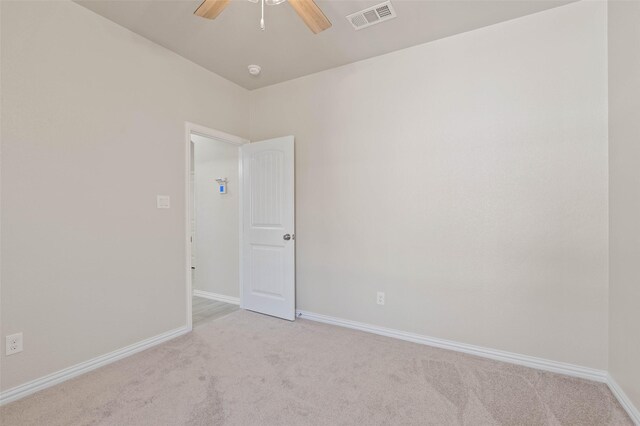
{"x": 510, "y": 357}
{"x": 624, "y": 400}
{"x": 218, "y": 297}
{"x": 524, "y": 360}
{"x": 513, "y": 358}
{"x": 49, "y": 380}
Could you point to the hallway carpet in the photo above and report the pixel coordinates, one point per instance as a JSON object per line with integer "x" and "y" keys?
{"x": 250, "y": 369}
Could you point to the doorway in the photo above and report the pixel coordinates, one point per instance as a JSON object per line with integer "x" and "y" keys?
{"x": 214, "y": 224}
{"x": 240, "y": 225}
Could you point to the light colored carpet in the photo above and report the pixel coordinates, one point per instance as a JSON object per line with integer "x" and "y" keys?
{"x": 250, "y": 369}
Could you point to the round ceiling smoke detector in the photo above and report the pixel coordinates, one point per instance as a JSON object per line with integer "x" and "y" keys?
{"x": 254, "y": 69}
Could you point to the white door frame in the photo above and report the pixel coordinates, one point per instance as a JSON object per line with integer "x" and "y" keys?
{"x": 196, "y": 129}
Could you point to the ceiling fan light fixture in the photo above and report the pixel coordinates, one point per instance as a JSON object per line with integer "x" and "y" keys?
{"x": 307, "y": 10}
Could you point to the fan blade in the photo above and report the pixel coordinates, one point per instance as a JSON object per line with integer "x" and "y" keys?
{"x": 311, "y": 15}
{"x": 210, "y": 9}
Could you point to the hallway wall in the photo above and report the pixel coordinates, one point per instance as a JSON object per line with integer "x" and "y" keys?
{"x": 217, "y": 223}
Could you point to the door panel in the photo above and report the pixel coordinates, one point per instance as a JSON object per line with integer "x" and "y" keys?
{"x": 268, "y": 215}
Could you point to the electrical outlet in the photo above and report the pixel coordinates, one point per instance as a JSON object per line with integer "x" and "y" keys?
{"x": 14, "y": 343}
{"x": 380, "y": 298}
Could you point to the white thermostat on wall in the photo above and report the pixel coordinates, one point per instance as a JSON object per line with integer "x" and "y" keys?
{"x": 222, "y": 185}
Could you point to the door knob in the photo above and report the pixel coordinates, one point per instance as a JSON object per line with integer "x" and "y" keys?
{"x": 286, "y": 237}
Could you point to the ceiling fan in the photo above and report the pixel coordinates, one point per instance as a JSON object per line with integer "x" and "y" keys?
{"x": 306, "y": 9}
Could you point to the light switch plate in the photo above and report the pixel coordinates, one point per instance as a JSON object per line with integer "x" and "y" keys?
{"x": 164, "y": 201}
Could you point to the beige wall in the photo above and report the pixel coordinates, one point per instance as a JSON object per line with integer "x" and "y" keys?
{"x": 217, "y": 243}
{"x": 624, "y": 184}
{"x": 92, "y": 129}
{"x": 466, "y": 178}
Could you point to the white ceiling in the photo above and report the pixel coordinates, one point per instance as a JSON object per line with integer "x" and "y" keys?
{"x": 287, "y": 49}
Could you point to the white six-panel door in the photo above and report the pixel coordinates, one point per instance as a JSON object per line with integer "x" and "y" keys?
{"x": 268, "y": 246}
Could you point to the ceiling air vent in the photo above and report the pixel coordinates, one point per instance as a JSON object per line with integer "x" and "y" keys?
{"x": 372, "y": 15}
